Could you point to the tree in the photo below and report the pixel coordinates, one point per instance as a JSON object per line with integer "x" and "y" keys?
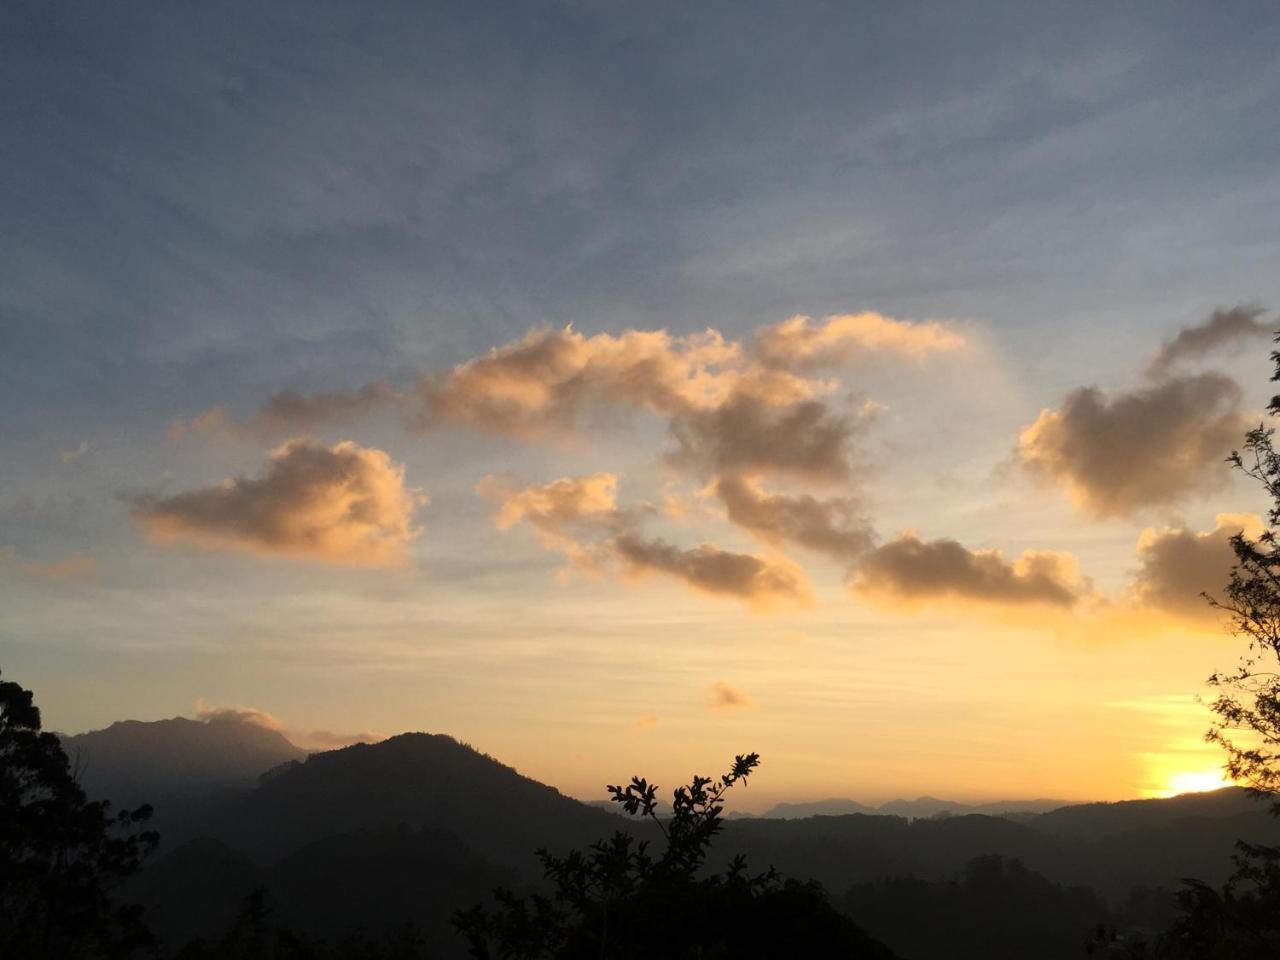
{"x": 1242, "y": 920}
{"x": 60, "y": 853}
{"x": 620, "y": 901}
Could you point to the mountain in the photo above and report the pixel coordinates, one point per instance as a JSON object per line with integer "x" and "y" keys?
{"x": 370, "y": 881}
{"x": 1101, "y": 820}
{"x": 418, "y": 780}
{"x": 920, "y": 807}
{"x": 1108, "y": 847}
{"x": 178, "y": 766}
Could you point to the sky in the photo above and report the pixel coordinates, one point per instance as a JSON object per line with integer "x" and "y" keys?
{"x": 621, "y": 387}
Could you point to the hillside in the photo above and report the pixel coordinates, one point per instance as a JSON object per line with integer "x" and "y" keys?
{"x": 417, "y": 780}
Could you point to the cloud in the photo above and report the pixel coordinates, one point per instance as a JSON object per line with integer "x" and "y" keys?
{"x": 579, "y": 517}
{"x": 1224, "y": 325}
{"x": 799, "y": 344}
{"x": 720, "y": 695}
{"x": 1178, "y": 565}
{"x": 729, "y": 406}
{"x": 544, "y": 383}
{"x": 647, "y": 722}
{"x": 1117, "y": 454}
{"x": 237, "y": 713}
{"x": 832, "y": 526}
{"x": 570, "y": 514}
{"x": 807, "y": 440}
{"x": 343, "y": 504}
{"x": 911, "y": 571}
{"x": 78, "y": 566}
{"x": 762, "y": 582}
{"x": 290, "y": 410}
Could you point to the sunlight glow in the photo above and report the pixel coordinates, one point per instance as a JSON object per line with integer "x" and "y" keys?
{"x": 1195, "y": 781}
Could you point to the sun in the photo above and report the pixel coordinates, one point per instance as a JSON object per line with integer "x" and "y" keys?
{"x": 1195, "y": 781}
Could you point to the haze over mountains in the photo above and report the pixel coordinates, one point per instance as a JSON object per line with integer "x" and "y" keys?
{"x": 420, "y": 825}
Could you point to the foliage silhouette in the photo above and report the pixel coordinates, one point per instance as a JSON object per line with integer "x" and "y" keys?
{"x": 1242, "y": 920}
{"x": 60, "y": 854}
{"x": 619, "y": 900}
{"x": 997, "y": 910}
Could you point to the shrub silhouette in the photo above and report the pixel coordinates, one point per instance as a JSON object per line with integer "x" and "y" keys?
{"x": 619, "y": 900}
{"x": 60, "y": 853}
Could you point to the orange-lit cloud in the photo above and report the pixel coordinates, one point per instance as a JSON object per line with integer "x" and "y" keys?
{"x": 1114, "y": 455}
{"x": 910, "y": 572}
{"x": 727, "y": 403}
{"x": 1224, "y": 325}
{"x": 77, "y": 566}
{"x": 832, "y": 526}
{"x": 579, "y": 517}
{"x": 800, "y": 344}
{"x": 545, "y": 382}
{"x": 571, "y": 514}
{"x": 647, "y": 722}
{"x": 720, "y": 696}
{"x": 343, "y": 504}
{"x": 237, "y": 713}
{"x": 762, "y": 582}
{"x": 314, "y": 740}
{"x": 1179, "y": 565}
{"x": 807, "y": 440}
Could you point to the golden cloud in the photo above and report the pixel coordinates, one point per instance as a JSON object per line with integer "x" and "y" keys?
{"x": 832, "y": 526}
{"x": 800, "y": 344}
{"x": 762, "y": 582}
{"x": 720, "y": 695}
{"x": 909, "y": 572}
{"x": 579, "y": 517}
{"x": 1179, "y": 566}
{"x": 343, "y": 504}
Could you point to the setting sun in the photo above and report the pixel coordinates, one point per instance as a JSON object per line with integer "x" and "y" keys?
{"x": 1195, "y": 781}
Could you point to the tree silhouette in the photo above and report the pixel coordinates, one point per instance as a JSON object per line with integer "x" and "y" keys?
{"x": 59, "y": 852}
{"x": 1242, "y": 920}
{"x": 619, "y": 900}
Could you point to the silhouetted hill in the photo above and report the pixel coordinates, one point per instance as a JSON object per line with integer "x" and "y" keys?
{"x": 995, "y": 910}
{"x": 178, "y": 766}
{"x": 368, "y": 881}
{"x": 1111, "y": 847}
{"x": 1098, "y": 820}
{"x": 418, "y": 780}
{"x": 920, "y": 807}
